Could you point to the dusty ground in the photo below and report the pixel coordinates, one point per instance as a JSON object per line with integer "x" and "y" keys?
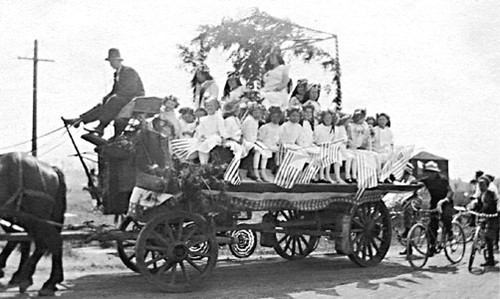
{"x": 96, "y": 273}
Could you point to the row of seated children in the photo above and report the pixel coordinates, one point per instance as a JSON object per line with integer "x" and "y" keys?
{"x": 302, "y": 129}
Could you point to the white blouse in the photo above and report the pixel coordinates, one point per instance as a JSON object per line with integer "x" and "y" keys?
{"x": 269, "y": 134}
{"x": 211, "y": 125}
{"x": 233, "y": 128}
{"x": 250, "y": 128}
{"x": 383, "y": 138}
{"x": 306, "y": 135}
{"x": 323, "y": 134}
{"x": 290, "y": 133}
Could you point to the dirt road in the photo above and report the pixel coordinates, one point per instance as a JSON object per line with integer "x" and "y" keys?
{"x": 94, "y": 273}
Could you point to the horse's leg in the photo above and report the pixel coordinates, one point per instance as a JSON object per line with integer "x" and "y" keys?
{"x": 25, "y": 254}
{"x": 26, "y": 276}
{"x": 56, "y": 275}
{"x": 9, "y": 247}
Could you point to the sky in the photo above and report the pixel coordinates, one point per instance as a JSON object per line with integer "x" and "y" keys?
{"x": 433, "y": 66}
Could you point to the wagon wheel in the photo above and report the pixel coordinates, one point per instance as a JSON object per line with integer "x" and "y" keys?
{"x": 370, "y": 233}
{"x": 169, "y": 238}
{"x": 246, "y": 242}
{"x": 293, "y": 246}
{"x": 126, "y": 248}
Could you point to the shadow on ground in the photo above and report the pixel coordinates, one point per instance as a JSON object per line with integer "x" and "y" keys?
{"x": 252, "y": 279}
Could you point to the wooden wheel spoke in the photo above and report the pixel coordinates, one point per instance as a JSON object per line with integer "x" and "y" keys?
{"x": 293, "y": 245}
{"x": 189, "y": 234}
{"x": 174, "y": 272}
{"x": 164, "y": 268}
{"x": 304, "y": 240}
{"x": 155, "y": 259}
{"x": 287, "y": 244}
{"x": 168, "y": 229}
{"x": 282, "y": 239}
{"x": 180, "y": 229}
{"x": 194, "y": 265}
{"x": 184, "y": 272}
{"x": 161, "y": 238}
{"x": 131, "y": 256}
{"x": 357, "y": 222}
{"x": 299, "y": 245}
{"x": 374, "y": 244}
{"x": 369, "y": 247}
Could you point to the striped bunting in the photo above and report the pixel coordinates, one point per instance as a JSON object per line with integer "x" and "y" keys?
{"x": 290, "y": 168}
{"x": 330, "y": 153}
{"x": 299, "y": 205}
{"x": 308, "y": 173}
{"x": 396, "y": 163}
{"x": 181, "y": 147}
{"x": 232, "y": 174}
{"x": 366, "y": 169}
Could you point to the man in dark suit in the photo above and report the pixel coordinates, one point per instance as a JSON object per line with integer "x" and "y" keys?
{"x": 127, "y": 85}
{"x": 441, "y": 201}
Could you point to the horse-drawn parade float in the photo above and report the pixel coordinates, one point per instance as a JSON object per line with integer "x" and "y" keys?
{"x": 180, "y": 212}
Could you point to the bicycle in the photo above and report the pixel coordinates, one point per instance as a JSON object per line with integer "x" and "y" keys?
{"x": 418, "y": 242}
{"x": 479, "y": 242}
{"x": 465, "y": 219}
{"x": 397, "y": 217}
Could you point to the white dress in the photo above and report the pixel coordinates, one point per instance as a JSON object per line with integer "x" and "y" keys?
{"x": 187, "y": 129}
{"x": 306, "y": 138}
{"x": 234, "y": 134}
{"x": 273, "y": 79}
{"x": 209, "y": 133}
{"x": 269, "y": 136}
{"x": 289, "y": 133}
{"x": 323, "y": 134}
{"x": 341, "y": 136}
{"x": 383, "y": 143}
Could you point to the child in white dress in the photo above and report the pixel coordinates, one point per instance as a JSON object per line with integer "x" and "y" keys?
{"x": 326, "y": 132}
{"x": 268, "y": 142}
{"x": 250, "y": 128}
{"x": 234, "y": 131}
{"x": 306, "y": 138}
{"x": 210, "y": 132}
{"x": 187, "y": 122}
{"x": 358, "y": 133}
{"x": 291, "y": 130}
{"x": 383, "y": 140}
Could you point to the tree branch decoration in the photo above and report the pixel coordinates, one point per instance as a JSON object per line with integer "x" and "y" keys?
{"x": 250, "y": 39}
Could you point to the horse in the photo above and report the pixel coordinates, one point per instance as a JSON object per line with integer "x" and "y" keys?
{"x": 33, "y": 196}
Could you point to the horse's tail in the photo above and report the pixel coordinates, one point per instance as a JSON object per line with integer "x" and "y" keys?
{"x": 60, "y": 199}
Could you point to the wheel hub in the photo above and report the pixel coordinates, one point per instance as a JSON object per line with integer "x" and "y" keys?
{"x": 179, "y": 252}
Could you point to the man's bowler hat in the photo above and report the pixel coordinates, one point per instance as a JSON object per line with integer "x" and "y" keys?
{"x": 114, "y": 54}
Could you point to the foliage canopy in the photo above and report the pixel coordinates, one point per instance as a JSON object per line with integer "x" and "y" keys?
{"x": 250, "y": 39}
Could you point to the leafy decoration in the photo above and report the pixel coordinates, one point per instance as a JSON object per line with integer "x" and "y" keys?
{"x": 250, "y": 39}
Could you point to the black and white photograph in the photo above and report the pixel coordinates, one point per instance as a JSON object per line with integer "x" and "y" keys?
{"x": 249, "y": 149}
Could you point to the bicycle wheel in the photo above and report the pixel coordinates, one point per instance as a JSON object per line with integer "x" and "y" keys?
{"x": 417, "y": 246}
{"x": 474, "y": 263}
{"x": 455, "y": 248}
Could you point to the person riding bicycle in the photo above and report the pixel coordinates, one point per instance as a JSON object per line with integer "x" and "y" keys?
{"x": 487, "y": 203}
{"x": 441, "y": 200}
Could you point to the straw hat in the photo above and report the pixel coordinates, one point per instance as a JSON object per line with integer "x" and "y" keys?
{"x": 431, "y": 166}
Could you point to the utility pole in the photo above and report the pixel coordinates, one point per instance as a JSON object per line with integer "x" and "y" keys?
{"x": 35, "y": 63}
